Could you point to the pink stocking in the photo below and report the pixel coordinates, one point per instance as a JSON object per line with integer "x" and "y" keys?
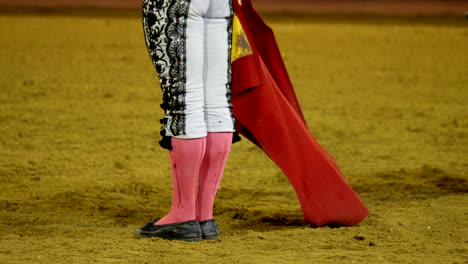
{"x": 186, "y": 157}
{"x": 218, "y": 146}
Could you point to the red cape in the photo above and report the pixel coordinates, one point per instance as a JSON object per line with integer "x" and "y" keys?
{"x": 268, "y": 114}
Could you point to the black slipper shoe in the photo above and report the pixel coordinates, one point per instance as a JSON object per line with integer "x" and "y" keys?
{"x": 209, "y": 229}
{"x": 184, "y": 231}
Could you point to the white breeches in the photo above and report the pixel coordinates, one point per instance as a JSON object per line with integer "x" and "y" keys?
{"x": 190, "y": 43}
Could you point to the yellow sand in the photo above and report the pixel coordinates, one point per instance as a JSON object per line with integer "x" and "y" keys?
{"x": 80, "y": 166}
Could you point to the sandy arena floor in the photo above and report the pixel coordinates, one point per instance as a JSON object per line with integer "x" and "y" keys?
{"x": 80, "y": 167}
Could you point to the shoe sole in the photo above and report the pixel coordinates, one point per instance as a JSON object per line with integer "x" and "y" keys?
{"x": 210, "y": 237}
{"x": 188, "y": 239}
